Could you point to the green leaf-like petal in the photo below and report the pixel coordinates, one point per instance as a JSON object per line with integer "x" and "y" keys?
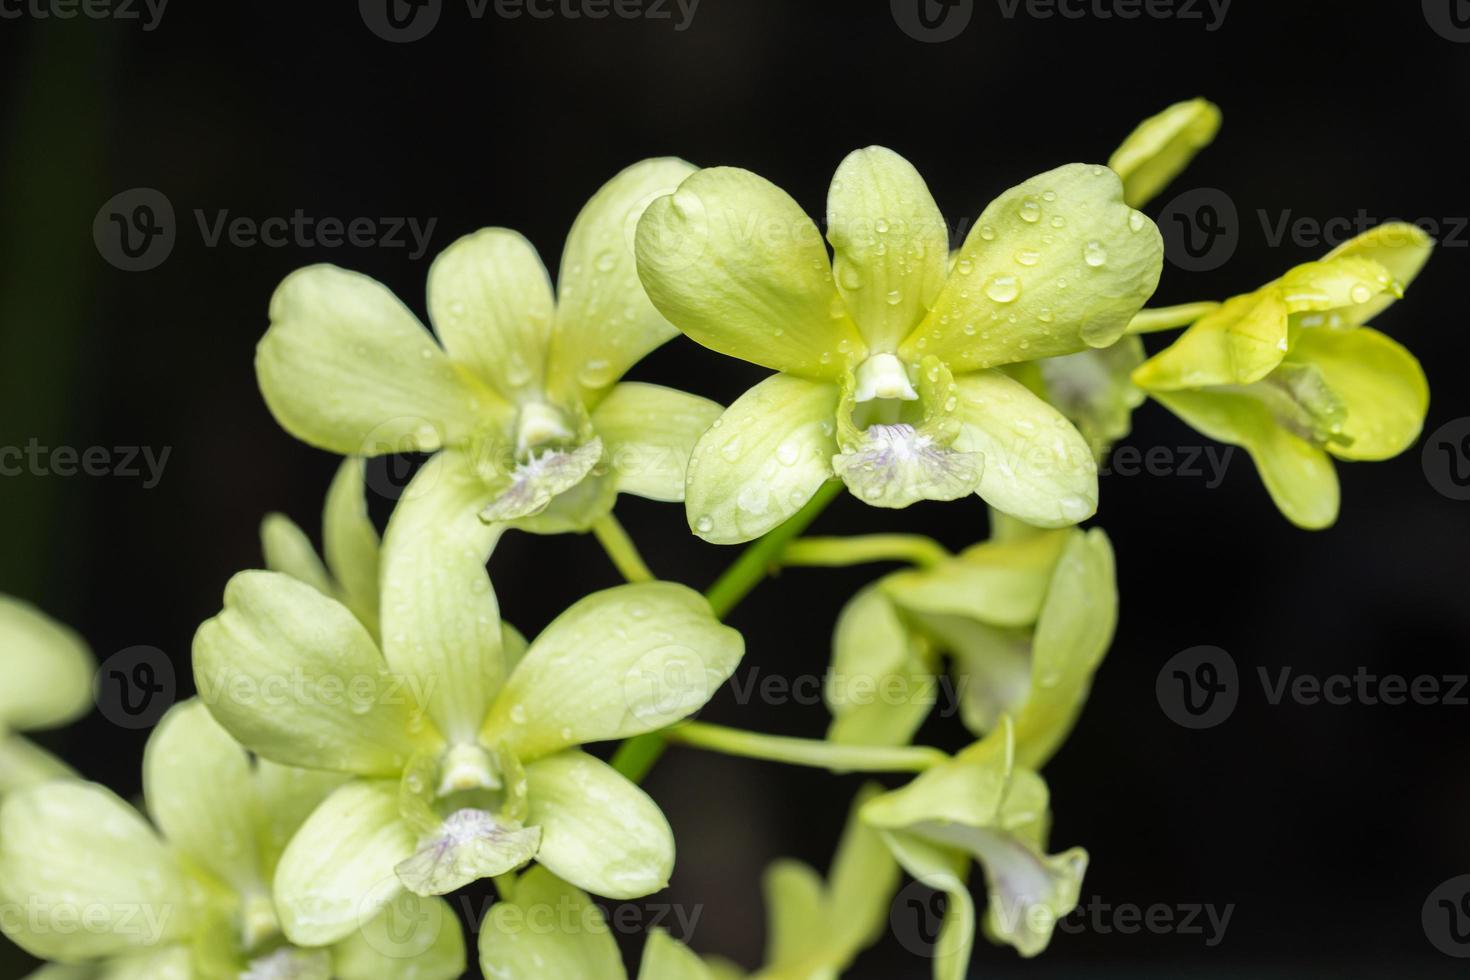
{"x": 871, "y": 645}
{"x": 889, "y": 241}
{"x": 47, "y": 669}
{"x": 1239, "y": 343}
{"x": 604, "y": 321}
{"x": 1162, "y": 146}
{"x": 942, "y": 870}
{"x": 350, "y": 542}
{"x": 491, "y": 304}
{"x": 287, "y": 549}
{"x": 1397, "y": 246}
{"x": 1003, "y": 583}
{"x": 413, "y": 939}
{"x": 1381, "y": 385}
{"x": 1055, "y": 265}
{"x": 665, "y": 958}
{"x": 1299, "y": 476}
{"x": 441, "y": 620}
{"x": 649, "y": 433}
{"x": 620, "y": 662}
{"x": 548, "y": 928}
{"x": 296, "y": 678}
{"x": 1094, "y": 390}
{"x": 733, "y": 262}
{"x": 598, "y": 830}
{"x": 337, "y": 873}
{"x": 763, "y": 459}
{"x": 24, "y": 763}
{"x": 200, "y": 791}
{"x": 345, "y": 366}
{"x": 73, "y": 853}
{"x": 1037, "y": 465}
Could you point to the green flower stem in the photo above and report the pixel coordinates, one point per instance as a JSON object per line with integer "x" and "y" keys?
{"x": 806, "y": 751}
{"x": 637, "y": 755}
{"x": 915, "y": 549}
{"x": 1169, "y": 317}
{"x": 765, "y": 553}
{"x": 621, "y": 549}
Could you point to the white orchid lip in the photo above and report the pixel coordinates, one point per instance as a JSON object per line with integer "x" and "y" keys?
{"x": 883, "y": 376}
{"x": 540, "y": 424}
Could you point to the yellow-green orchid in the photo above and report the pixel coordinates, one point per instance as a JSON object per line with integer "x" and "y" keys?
{"x": 48, "y": 682}
{"x": 349, "y": 543}
{"x": 462, "y": 742}
{"x": 90, "y": 882}
{"x": 981, "y": 806}
{"x": 1289, "y": 373}
{"x": 888, "y": 358}
{"x": 816, "y": 927}
{"x": 522, "y": 384}
{"x": 1161, "y": 147}
{"x": 1026, "y": 622}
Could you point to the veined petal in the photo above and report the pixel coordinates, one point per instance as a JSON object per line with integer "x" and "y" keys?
{"x": 1056, "y": 265}
{"x": 1094, "y": 390}
{"x": 337, "y": 873}
{"x": 889, "y": 241}
{"x": 548, "y": 928}
{"x": 1239, "y": 343}
{"x": 991, "y": 665}
{"x": 763, "y": 459}
{"x": 1381, "y": 385}
{"x": 199, "y": 787}
{"x": 441, "y": 620}
{"x": 345, "y": 366}
{"x": 491, "y": 304}
{"x": 539, "y": 480}
{"x": 287, "y": 549}
{"x": 598, "y": 830}
{"x": 47, "y": 669}
{"x": 733, "y": 262}
{"x": 295, "y": 677}
{"x": 1037, "y": 466}
{"x": 665, "y": 958}
{"x": 350, "y": 542}
{"x": 72, "y": 852}
{"x": 1162, "y": 146}
{"x": 1399, "y": 247}
{"x": 170, "y": 963}
{"x": 604, "y": 321}
{"x": 871, "y": 645}
{"x": 650, "y": 432}
{"x": 861, "y": 882}
{"x": 286, "y": 797}
{"x": 796, "y": 913}
{"x": 1299, "y": 476}
{"x": 467, "y": 846}
{"x": 413, "y": 939}
{"x": 898, "y": 465}
{"x": 619, "y": 662}
{"x": 1003, "y": 583}
{"x": 1072, "y": 635}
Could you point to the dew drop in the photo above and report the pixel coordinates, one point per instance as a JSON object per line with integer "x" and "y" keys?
{"x": 1003, "y": 289}
{"x": 1094, "y": 254}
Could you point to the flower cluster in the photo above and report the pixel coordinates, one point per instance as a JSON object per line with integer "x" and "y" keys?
{"x": 370, "y": 734}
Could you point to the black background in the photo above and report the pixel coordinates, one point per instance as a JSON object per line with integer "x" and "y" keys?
{"x": 1326, "y": 827}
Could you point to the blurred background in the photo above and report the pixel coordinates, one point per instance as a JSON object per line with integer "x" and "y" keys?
{"x": 1322, "y": 828}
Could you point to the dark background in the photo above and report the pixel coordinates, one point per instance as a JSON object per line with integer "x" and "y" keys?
{"x": 1325, "y": 826}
